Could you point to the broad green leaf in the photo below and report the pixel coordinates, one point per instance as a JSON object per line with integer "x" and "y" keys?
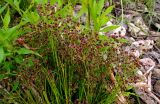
{"x": 11, "y": 33}
{"x": 109, "y": 28}
{"x": 93, "y": 10}
{"x": 6, "y": 19}
{"x": 53, "y": 2}
{"x": 2, "y": 55}
{"x": 27, "y": 51}
{"x": 100, "y": 6}
{"x": 31, "y": 17}
{"x": 15, "y": 4}
{"x": 103, "y": 21}
{"x": 103, "y": 37}
{"x": 7, "y": 36}
{"x": 108, "y": 10}
{"x": 11, "y": 2}
{"x": 24, "y": 51}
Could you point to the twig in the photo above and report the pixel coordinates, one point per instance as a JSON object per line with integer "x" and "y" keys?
{"x": 121, "y": 98}
{"x": 149, "y": 82}
{"x": 5, "y": 90}
{"x": 154, "y": 96}
{"x": 156, "y": 48}
{"x": 113, "y": 79}
{"x": 155, "y": 34}
{"x": 151, "y": 68}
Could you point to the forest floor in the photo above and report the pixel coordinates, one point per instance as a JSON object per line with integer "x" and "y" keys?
{"x": 143, "y": 32}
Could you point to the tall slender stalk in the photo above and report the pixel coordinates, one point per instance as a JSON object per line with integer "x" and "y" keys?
{"x": 122, "y": 12}
{"x": 89, "y": 15}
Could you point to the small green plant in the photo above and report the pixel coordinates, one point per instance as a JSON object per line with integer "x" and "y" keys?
{"x": 10, "y": 54}
{"x": 96, "y": 14}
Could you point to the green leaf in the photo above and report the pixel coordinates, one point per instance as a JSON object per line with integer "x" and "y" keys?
{"x": 64, "y": 11}
{"x": 52, "y": 2}
{"x": 10, "y": 34}
{"x": 25, "y": 51}
{"x": 60, "y": 3}
{"x": 129, "y": 87}
{"x": 18, "y": 59}
{"x": 110, "y": 98}
{"x": 30, "y": 63}
{"x": 103, "y": 21}
{"x": 2, "y": 76}
{"x": 31, "y": 17}
{"x": 128, "y": 94}
{"x": 15, "y": 86}
{"x": 3, "y": 8}
{"x": 108, "y": 10}
{"x": 41, "y": 1}
{"x": 105, "y": 49}
{"x": 2, "y": 55}
{"x": 6, "y": 19}
{"x": 11, "y": 2}
{"x": 109, "y": 28}
{"x": 122, "y": 40}
{"x": 100, "y": 6}
{"x": 14, "y": 4}
{"x": 93, "y": 10}
{"x": 46, "y": 97}
{"x": 82, "y": 10}
{"x": 103, "y": 37}
{"x": 106, "y": 39}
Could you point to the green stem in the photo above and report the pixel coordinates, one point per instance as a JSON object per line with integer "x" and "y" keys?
{"x": 89, "y": 17}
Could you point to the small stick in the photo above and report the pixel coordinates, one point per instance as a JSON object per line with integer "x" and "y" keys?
{"x": 149, "y": 82}
{"x": 121, "y": 98}
{"x": 151, "y": 68}
{"x": 154, "y": 96}
{"x": 156, "y": 48}
{"x": 113, "y": 79}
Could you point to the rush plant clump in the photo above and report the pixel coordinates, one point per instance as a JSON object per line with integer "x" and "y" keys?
{"x": 72, "y": 68}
